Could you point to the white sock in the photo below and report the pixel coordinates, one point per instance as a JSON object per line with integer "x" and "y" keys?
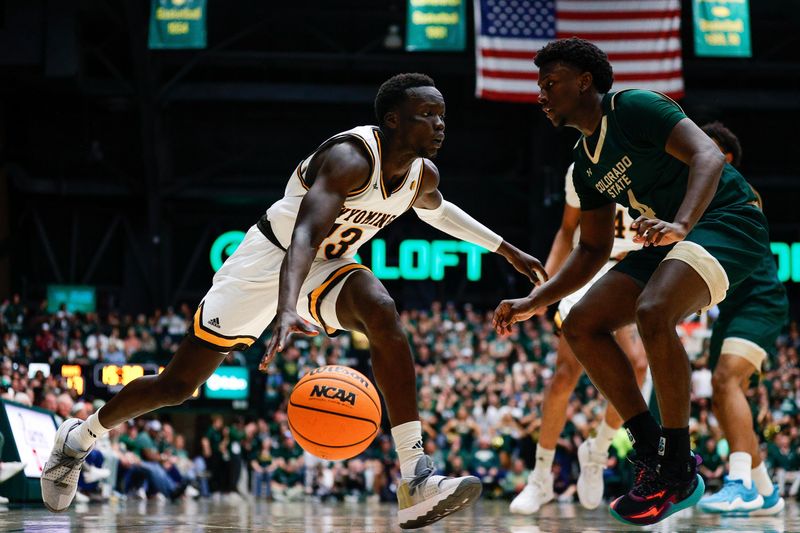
{"x": 544, "y": 462}
{"x": 761, "y": 478}
{"x": 605, "y": 434}
{"x": 408, "y": 443}
{"x": 84, "y": 437}
{"x": 740, "y": 467}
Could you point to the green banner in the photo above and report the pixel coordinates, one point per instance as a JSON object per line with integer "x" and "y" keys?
{"x": 722, "y": 28}
{"x": 436, "y": 25}
{"x": 177, "y": 24}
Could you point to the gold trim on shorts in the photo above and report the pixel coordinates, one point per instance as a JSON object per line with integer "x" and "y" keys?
{"x": 316, "y": 296}
{"x": 217, "y": 341}
{"x": 557, "y": 320}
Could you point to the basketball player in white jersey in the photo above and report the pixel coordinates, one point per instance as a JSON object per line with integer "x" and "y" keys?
{"x": 593, "y": 453}
{"x": 296, "y": 265}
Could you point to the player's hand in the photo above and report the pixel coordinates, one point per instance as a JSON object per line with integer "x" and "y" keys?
{"x": 655, "y": 232}
{"x": 510, "y": 312}
{"x": 286, "y": 323}
{"x": 527, "y": 265}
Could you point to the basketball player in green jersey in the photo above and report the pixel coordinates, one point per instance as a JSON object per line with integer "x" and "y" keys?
{"x": 593, "y": 452}
{"x": 701, "y": 233}
{"x": 750, "y": 319}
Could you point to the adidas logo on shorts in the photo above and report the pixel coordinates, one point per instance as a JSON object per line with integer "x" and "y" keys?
{"x": 214, "y": 322}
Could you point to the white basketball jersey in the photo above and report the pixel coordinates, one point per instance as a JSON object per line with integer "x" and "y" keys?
{"x": 623, "y": 234}
{"x": 366, "y": 210}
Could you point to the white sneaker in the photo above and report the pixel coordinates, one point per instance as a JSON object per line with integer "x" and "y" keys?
{"x": 10, "y": 469}
{"x": 773, "y": 504}
{"x": 60, "y": 473}
{"x": 536, "y": 493}
{"x": 81, "y": 498}
{"x": 428, "y": 497}
{"x": 94, "y": 473}
{"x": 234, "y": 498}
{"x": 191, "y": 492}
{"x": 3, "y": 500}
{"x": 590, "y": 481}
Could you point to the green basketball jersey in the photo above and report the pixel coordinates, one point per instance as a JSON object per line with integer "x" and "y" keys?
{"x": 625, "y": 161}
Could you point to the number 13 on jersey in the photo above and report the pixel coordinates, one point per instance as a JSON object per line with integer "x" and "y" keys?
{"x": 336, "y": 245}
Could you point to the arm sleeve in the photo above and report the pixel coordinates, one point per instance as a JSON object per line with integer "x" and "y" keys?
{"x": 571, "y": 196}
{"x": 450, "y": 219}
{"x": 647, "y": 117}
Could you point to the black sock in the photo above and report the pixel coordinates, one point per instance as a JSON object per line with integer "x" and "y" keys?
{"x": 674, "y": 446}
{"x": 644, "y": 432}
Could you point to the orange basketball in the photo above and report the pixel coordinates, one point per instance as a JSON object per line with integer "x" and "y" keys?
{"x": 334, "y": 412}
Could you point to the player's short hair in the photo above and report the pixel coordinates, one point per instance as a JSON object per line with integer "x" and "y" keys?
{"x": 726, "y": 140}
{"x": 393, "y": 91}
{"x": 581, "y": 54}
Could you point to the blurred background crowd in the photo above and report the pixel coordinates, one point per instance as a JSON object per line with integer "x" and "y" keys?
{"x": 480, "y": 399}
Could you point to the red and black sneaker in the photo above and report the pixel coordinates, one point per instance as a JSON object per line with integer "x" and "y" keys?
{"x": 654, "y": 495}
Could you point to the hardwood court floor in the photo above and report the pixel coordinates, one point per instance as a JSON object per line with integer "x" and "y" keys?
{"x": 308, "y": 517}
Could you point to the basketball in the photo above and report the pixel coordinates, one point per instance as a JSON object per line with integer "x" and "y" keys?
{"x": 334, "y": 412}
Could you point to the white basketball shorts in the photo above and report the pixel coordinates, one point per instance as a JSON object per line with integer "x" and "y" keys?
{"x": 243, "y": 298}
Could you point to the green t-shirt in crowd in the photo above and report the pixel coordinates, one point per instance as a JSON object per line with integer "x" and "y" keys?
{"x": 485, "y": 458}
{"x": 214, "y": 438}
{"x": 129, "y": 443}
{"x": 711, "y": 460}
{"x": 288, "y": 452}
{"x": 144, "y": 442}
{"x": 777, "y": 459}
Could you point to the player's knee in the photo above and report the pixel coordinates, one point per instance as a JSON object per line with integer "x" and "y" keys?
{"x": 639, "y": 365}
{"x": 381, "y": 315}
{"x": 723, "y": 380}
{"x": 566, "y": 376}
{"x": 175, "y": 391}
{"x": 651, "y": 315}
{"x": 578, "y": 325}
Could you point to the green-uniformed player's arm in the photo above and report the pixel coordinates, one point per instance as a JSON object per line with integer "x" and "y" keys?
{"x": 692, "y": 146}
{"x": 648, "y": 117}
{"x": 586, "y": 259}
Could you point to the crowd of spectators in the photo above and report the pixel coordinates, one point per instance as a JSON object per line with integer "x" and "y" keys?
{"x": 480, "y": 399}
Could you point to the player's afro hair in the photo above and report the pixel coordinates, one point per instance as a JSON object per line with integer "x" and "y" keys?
{"x": 581, "y": 54}
{"x": 393, "y": 91}
{"x": 726, "y": 139}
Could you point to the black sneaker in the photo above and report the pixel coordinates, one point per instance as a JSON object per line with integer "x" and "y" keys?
{"x": 656, "y": 495}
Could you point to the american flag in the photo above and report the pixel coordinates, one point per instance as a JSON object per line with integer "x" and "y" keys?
{"x": 642, "y": 40}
